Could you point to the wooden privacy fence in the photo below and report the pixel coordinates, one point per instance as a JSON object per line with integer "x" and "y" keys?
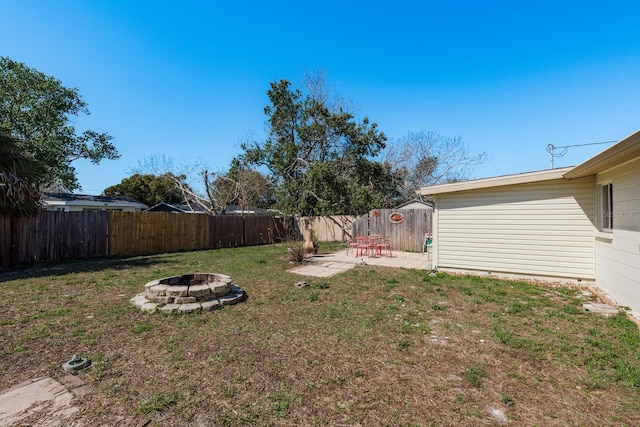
{"x": 335, "y": 228}
{"x": 406, "y": 235}
{"x": 53, "y": 236}
{"x": 145, "y": 233}
{"x": 57, "y": 236}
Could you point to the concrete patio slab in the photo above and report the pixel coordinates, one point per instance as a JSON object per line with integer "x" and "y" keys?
{"x": 328, "y": 265}
{"x": 38, "y": 396}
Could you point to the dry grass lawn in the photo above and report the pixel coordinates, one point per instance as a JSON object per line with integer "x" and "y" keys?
{"x": 369, "y": 347}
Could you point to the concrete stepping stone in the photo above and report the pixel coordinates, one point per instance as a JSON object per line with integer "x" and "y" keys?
{"x": 600, "y": 308}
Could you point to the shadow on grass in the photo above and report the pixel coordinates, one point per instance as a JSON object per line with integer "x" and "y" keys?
{"x": 81, "y": 266}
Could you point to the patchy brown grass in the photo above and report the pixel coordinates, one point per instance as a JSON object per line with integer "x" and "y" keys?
{"x": 372, "y": 346}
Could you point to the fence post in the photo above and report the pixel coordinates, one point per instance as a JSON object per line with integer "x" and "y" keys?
{"x": 6, "y": 241}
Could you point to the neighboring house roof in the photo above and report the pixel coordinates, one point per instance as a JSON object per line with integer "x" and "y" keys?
{"x": 235, "y": 209}
{"x": 198, "y": 208}
{"x": 68, "y": 199}
{"x": 414, "y": 204}
{"x": 177, "y": 207}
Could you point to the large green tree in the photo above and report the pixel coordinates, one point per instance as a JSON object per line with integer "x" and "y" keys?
{"x": 36, "y": 110}
{"x": 348, "y": 186}
{"x": 242, "y": 186}
{"x": 149, "y": 189}
{"x": 319, "y": 157}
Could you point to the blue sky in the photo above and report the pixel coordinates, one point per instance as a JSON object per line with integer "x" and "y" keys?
{"x": 188, "y": 79}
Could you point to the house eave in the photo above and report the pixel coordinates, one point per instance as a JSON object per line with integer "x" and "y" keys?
{"x": 627, "y": 149}
{"x": 498, "y": 181}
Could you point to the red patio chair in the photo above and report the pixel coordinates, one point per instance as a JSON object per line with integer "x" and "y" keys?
{"x": 372, "y": 246}
{"x": 362, "y": 245}
{"x": 384, "y": 246}
{"x": 352, "y": 245}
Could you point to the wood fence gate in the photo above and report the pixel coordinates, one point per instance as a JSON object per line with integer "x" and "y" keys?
{"x": 405, "y": 227}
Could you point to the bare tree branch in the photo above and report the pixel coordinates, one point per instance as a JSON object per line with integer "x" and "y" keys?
{"x": 427, "y": 158}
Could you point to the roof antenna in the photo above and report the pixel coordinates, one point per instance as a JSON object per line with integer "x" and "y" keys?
{"x": 551, "y": 149}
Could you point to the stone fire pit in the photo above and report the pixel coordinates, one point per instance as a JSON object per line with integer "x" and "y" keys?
{"x": 188, "y": 293}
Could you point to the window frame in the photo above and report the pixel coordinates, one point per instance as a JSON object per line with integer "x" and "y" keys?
{"x": 606, "y": 207}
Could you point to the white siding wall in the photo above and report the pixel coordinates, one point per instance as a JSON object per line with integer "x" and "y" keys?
{"x": 538, "y": 229}
{"x": 618, "y": 252}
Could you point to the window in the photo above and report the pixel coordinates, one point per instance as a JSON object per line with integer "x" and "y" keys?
{"x": 607, "y": 206}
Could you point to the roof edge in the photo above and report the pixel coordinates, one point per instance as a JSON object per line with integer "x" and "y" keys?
{"x": 613, "y": 156}
{"x": 497, "y": 181}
